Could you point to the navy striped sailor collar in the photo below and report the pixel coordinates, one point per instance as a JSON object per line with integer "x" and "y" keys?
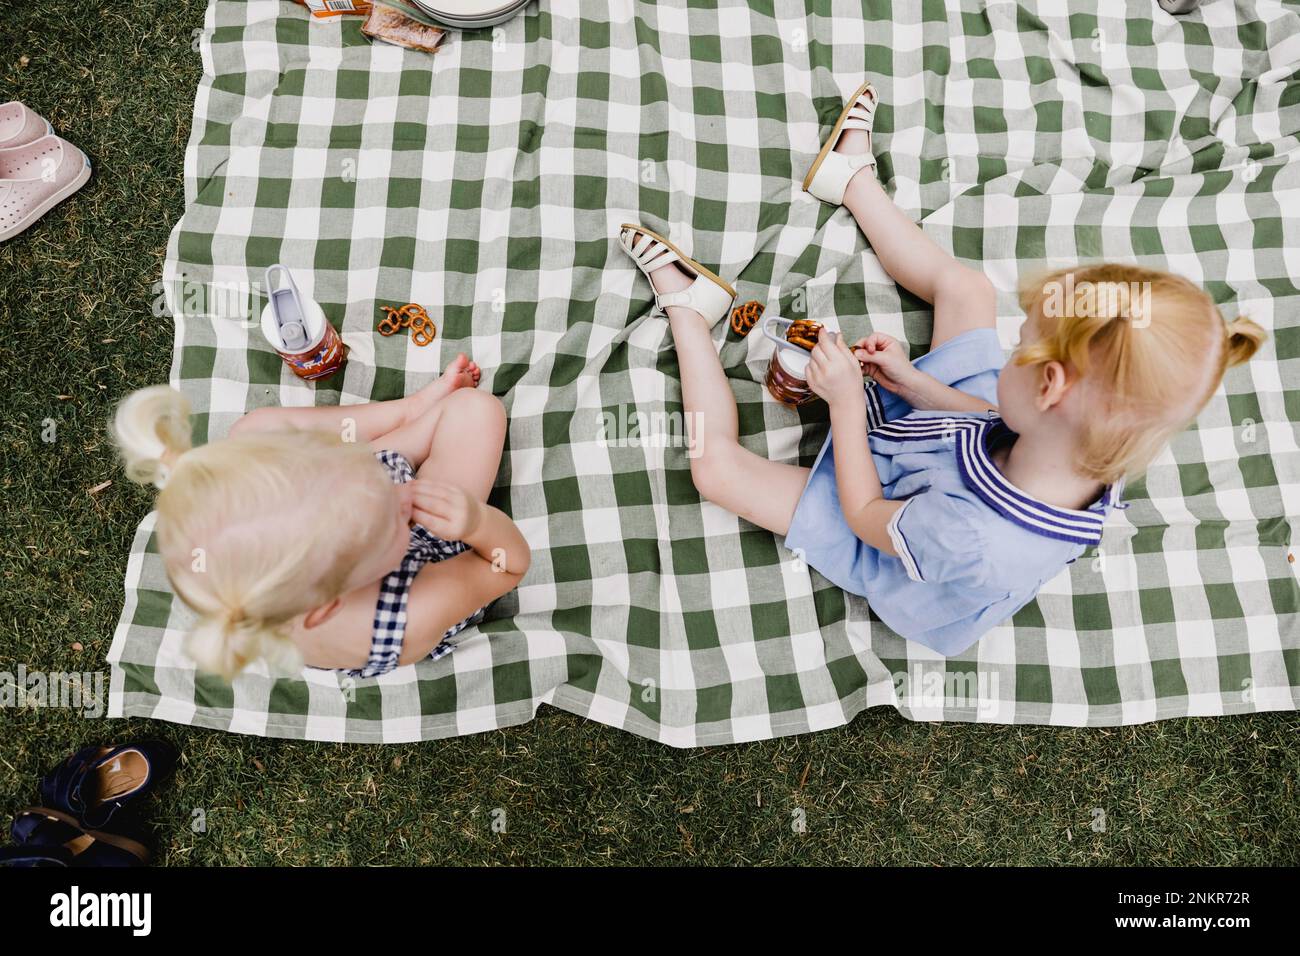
{"x": 974, "y": 435}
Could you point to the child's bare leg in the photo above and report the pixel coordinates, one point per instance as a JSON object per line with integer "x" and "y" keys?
{"x": 369, "y": 421}
{"x": 963, "y": 298}
{"x": 468, "y": 435}
{"x": 762, "y": 492}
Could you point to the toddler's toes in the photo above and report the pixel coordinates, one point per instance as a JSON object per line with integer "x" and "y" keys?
{"x": 459, "y": 374}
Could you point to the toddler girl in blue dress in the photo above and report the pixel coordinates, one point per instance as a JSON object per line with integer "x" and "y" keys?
{"x": 964, "y": 481}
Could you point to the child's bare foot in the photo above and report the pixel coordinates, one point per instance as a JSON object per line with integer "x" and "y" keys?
{"x": 853, "y": 142}
{"x": 461, "y": 373}
{"x": 673, "y": 278}
{"x": 681, "y": 284}
{"x": 670, "y": 278}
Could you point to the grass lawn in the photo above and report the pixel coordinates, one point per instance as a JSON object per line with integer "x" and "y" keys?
{"x": 78, "y": 332}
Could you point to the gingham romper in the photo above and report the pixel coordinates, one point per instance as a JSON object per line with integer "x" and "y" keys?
{"x": 390, "y": 610}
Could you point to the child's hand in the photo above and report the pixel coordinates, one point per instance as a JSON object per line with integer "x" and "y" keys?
{"x": 833, "y": 373}
{"x": 884, "y": 359}
{"x": 445, "y": 509}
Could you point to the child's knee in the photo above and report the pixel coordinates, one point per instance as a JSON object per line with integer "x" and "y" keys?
{"x": 480, "y": 408}
{"x": 968, "y": 286}
{"x": 709, "y": 474}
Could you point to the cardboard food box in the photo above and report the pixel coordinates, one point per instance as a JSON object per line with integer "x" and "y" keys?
{"x": 336, "y": 8}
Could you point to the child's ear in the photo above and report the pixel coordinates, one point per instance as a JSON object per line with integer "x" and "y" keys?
{"x": 319, "y": 615}
{"x": 1053, "y": 383}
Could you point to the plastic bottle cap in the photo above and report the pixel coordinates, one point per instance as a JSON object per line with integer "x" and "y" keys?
{"x": 294, "y": 336}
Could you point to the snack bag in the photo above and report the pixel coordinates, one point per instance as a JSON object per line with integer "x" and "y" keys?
{"x": 391, "y": 25}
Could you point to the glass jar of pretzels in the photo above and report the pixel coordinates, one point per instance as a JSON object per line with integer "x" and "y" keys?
{"x": 787, "y": 373}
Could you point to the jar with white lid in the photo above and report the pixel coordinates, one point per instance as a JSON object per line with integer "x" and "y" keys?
{"x": 787, "y": 372}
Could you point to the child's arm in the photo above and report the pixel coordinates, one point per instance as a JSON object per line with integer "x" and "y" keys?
{"x": 835, "y": 375}
{"x": 454, "y": 514}
{"x": 927, "y": 393}
{"x": 865, "y": 508}
{"x": 449, "y": 591}
{"x": 884, "y": 359}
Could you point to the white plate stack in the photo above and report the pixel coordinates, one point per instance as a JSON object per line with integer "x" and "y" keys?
{"x": 471, "y": 14}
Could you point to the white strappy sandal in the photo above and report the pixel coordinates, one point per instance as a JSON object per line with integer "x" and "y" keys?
{"x": 831, "y": 171}
{"x": 708, "y": 295}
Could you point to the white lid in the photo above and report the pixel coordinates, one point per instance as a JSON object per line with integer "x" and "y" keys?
{"x": 313, "y": 318}
{"x": 796, "y": 363}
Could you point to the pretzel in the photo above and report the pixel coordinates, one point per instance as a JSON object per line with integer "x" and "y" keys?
{"x": 803, "y": 333}
{"x": 743, "y": 317}
{"x": 410, "y": 316}
{"x": 422, "y": 328}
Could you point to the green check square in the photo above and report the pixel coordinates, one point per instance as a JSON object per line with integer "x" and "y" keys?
{"x": 643, "y": 627}
{"x": 770, "y": 619}
{"x": 713, "y": 704}
{"x": 1101, "y": 685}
{"x": 689, "y": 556}
{"x": 632, "y": 489}
{"x": 511, "y": 682}
{"x": 562, "y": 495}
{"x": 1033, "y": 683}
{"x": 352, "y": 84}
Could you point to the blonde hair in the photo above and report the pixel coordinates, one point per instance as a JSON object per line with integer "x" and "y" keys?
{"x": 1151, "y": 348}
{"x": 246, "y": 527}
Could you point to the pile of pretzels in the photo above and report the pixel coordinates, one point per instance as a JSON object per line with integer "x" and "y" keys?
{"x": 803, "y": 333}
{"x": 410, "y": 316}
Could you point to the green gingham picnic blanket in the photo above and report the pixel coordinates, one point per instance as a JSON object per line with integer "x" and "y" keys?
{"x": 488, "y": 181}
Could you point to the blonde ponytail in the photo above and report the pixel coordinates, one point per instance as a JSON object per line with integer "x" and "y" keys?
{"x": 1151, "y": 348}
{"x": 152, "y": 430}
{"x": 1244, "y": 340}
{"x": 254, "y": 530}
{"x": 226, "y": 642}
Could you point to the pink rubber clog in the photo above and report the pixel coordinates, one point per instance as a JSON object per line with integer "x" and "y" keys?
{"x": 35, "y": 178}
{"x": 20, "y": 126}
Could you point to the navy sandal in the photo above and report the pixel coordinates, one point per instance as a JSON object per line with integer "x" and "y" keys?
{"x": 95, "y": 783}
{"x": 35, "y": 856}
{"x": 48, "y": 837}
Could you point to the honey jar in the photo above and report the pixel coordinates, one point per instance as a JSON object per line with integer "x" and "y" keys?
{"x": 787, "y": 372}
{"x": 296, "y": 327}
